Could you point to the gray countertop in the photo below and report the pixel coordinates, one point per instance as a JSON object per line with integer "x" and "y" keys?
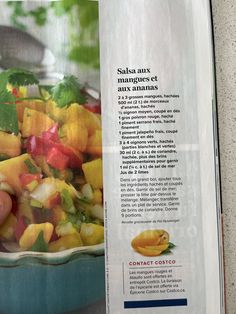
{"x": 224, "y": 17}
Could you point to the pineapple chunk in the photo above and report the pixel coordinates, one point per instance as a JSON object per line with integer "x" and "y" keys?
{"x": 32, "y": 232}
{"x": 66, "y": 242}
{"x": 12, "y": 168}
{"x": 91, "y": 234}
{"x": 10, "y": 144}
{"x": 35, "y": 122}
{"x": 93, "y": 173}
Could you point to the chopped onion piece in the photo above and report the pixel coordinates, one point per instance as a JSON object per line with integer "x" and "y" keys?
{"x": 4, "y": 186}
{"x": 43, "y": 192}
{"x": 87, "y": 191}
{"x": 97, "y": 211}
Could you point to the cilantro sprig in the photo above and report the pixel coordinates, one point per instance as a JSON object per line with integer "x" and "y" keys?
{"x": 8, "y": 113}
{"x": 67, "y": 91}
{"x": 20, "y": 77}
{"x": 40, "y": 244}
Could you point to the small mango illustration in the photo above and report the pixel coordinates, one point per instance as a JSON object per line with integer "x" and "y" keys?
{"x": 152, "y": 243}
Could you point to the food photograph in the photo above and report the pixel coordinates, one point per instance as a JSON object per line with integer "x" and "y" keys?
{"x": 51, "y": 183}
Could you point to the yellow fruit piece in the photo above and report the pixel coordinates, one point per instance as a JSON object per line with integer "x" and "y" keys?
{"x": 32, "y": 232}
{"x": 66, "y": 242}
{"x": 35, "y": 122}
{"x": 97, "y": 197}
{"x": 61, "y": 185}
{"x": 55, "y": 112}
{"x": 77, "y": 113}
{"x": 10, "y": 144}
{"x": 148, "y": 252}
{"x": 91, "y": 234}
{"x": 148, "y": 238}
{"x": 75, "y": 134}
{"x": 7, "y": 230}
{"x": 12, "y": 168}
{"x": 35, "y": 104}
{"x": 161, "y": 247}
{"x": 93, "y": 173}
{"x": 65, "y": 228}
{"x": 94, "y": 146}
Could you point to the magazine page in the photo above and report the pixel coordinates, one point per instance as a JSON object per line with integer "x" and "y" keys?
{"x": 162, "y": 210}
{"x": 109, "y": 196}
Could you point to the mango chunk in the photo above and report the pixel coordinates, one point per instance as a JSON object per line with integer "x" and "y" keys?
{"x": 35, "y": 122}
{"x": 75, "y": 134}
{"x": 77, "y": 113}
{"x": 10, "y": 144}
{"x": 56, "y": 113}
{"x": 150, "y": 238}
{"x": 97, "y": 197}
{"x": 148, "y": 252}
{"x": 161, "y": 247}
{"x": 93, "y": 173}
{"x": 35, "y": 104}
{"x": 31, "y": 234}
{"x": 91, "y": 234}
{"x": 12, "y": 168}
{"x": 7, "y": 230}
{"x": 94, "y": 146}
{"x": 66, "y": 242}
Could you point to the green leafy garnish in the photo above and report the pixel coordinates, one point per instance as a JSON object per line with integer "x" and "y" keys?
{"x": 8, "y": 113}
{"x": 78, "y": 218}
{"x": 32, "y": 169}
{"x": 171, "y": 245}
{"x": 67, "y": 91}
{"x": 8, "y": 118}
{"x": 67, "y": 202}
{"x": 55, "y": 172}
{"x": 20, "y": 77}
{"x": 39, "y": 245}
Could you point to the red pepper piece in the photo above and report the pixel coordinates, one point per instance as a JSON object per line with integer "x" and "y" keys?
{"x": 26, "y": 178}
{"x": 51, "y": 134}
{"x": 93, "y": 107}
{"x": 35, "y": 145}
{"x": 57, "y": 159}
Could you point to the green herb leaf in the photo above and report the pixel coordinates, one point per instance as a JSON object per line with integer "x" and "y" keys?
{"x": 171, "y": 245}
{"x": 166, "y": 252}
{"x": 8, "y": 118}
{"x": 67, "y": 91}
{"x": 20, "y": 77}
{"x": 32, "y": 169}
{"x": 67, "y": 202}
{"x": 39, "y": 245}
{"x": 5, "y": 95}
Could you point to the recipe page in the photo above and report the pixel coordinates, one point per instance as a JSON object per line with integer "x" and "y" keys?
{"x": 159, "y": 145}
